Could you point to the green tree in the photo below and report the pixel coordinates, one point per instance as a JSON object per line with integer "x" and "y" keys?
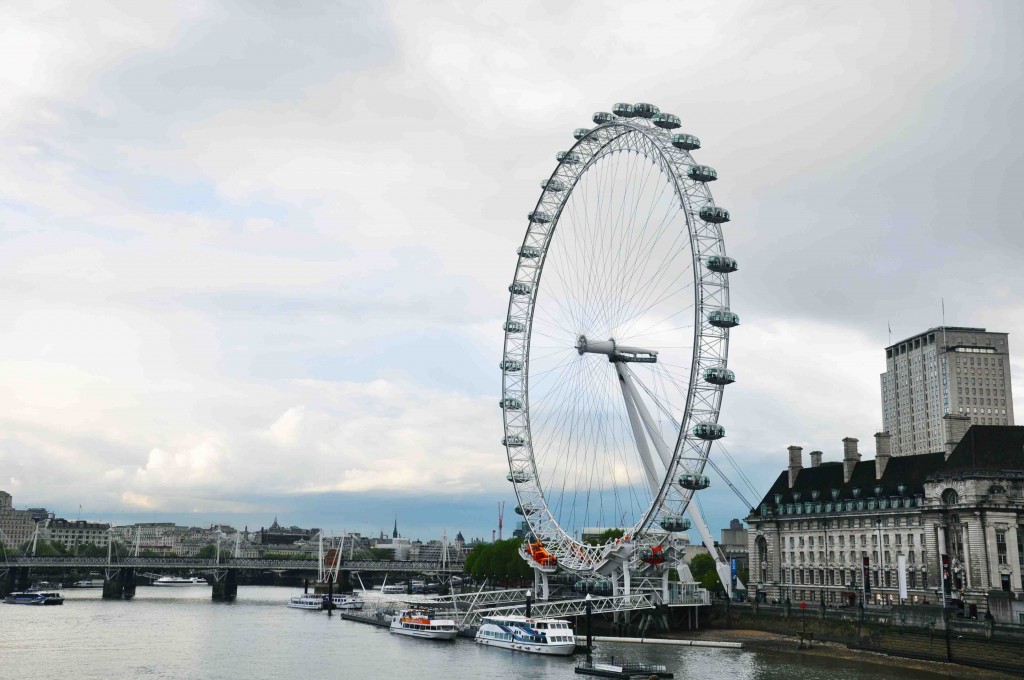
{"x": 702, "y": 567}
{"x": 207, "y": 552}
{"x": 606, "y": 535}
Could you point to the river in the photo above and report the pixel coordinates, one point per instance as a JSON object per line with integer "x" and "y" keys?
{"x": 181, "y": 633}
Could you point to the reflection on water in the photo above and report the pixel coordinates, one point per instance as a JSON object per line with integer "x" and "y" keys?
{"x": 181, "y": 633}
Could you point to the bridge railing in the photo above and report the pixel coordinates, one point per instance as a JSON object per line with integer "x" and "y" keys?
{"x": 225, "y": 563}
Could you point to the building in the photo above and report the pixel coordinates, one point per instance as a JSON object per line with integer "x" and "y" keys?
{"x": 18, "y": 526}
{"x": 950, "y": 523}
{"x": 74, "y": 533}
{"x": 734, "y": 544}
{"x": 278, "y": 535}
{"x": 945, "y": 370}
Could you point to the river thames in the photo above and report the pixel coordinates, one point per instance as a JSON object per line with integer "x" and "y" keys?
{"x": 181, "y": 633}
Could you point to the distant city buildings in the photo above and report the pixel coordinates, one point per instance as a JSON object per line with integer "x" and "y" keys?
{"x": 73, "y": 533}
{"x": 944, "y": 370}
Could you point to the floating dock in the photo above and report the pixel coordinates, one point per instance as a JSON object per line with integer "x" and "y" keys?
{"x": 625, "y": 669}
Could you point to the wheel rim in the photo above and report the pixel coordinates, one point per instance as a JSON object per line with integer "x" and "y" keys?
{"x": 620, "y": 242}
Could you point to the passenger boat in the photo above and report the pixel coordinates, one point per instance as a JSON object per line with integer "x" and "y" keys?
{"x": 307, "y": 601}
{"x": 346, "y": 602}
{"x": 418, "y": 623}
{"x": 537, "y": 636}
{"x": 180, "y": 581}
{"x": 392, "y": 590}
{"x": 36, "y": 598}
{"x": 88, "y": 583}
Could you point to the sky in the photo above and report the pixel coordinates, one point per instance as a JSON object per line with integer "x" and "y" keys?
{"x": 254, "y": 256}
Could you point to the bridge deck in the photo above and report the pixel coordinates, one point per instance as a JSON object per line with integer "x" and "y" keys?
{"x": 246, "y": 563}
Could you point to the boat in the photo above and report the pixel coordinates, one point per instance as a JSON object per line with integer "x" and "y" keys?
{"x": 419, "y": 623}
{"x": 537, "y": 636}
{"x": 88, "y": 583}
{"x": 392, "y": 590}
{"x": 307, "y": 601}
{"x": 623, "y": 669}
{"x": 180, "y": 581}
{"x": 37, "y": 598}
{"x": 346, "y": 602}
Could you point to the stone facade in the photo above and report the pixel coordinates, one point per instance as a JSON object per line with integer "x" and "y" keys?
{"x": 956, "y": 518}
{"x": 18, "y": 526}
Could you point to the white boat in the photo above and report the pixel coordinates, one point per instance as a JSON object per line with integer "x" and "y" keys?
{"x": 537, "y": 636}
{"x": 180, "y": 581}
{"x": 418, "y": 623}
{"x": 347, "y": 602}
{"x": 307, "y": 601}
{"x": 88, "y": 583}
{"x": 392, "y": 590}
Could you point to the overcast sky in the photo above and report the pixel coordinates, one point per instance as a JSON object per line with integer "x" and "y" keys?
{"x": 254, "y": 255}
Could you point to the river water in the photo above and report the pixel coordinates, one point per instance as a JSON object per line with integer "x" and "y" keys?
{"x": 181, "y": 633}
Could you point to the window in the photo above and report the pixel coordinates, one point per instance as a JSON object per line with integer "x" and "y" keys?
{"x": 1001, "y": 547}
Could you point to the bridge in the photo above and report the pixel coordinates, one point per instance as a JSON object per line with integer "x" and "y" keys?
{"x": 119, "y": 571}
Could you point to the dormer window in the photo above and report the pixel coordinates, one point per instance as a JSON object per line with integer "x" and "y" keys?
{"x": 855, "y": 491}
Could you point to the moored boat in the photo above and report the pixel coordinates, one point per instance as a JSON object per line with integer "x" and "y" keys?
{"x": 307, "y": 601}
{"x": 392, "y": 590}
{"x": 537, "y": 636}
{"x": 347, "y": 601}
{"x": 420, "y": 623}
{"x": 180, "y": 581}
{"x": 35, "y": 598}
{"x": 88, "y": 583}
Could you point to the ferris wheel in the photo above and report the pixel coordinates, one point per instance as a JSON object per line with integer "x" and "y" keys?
{"x": 616, "y": 341}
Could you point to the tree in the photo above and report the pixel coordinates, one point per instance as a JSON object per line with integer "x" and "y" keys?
{"x": 702, "y": 567}
{"x": 607, "y": 535}
{"x": 207, "y": 552}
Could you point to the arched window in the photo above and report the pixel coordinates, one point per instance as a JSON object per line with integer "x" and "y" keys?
{"x": 950, "y": 497}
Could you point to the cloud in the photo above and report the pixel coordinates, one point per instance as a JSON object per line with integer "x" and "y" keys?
{"x": 261, "y": 252}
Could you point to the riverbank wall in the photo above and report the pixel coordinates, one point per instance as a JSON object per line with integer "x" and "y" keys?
{"x": 925, "y": 633}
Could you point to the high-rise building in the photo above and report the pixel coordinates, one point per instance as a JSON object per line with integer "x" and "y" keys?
{"x": 947, "y": 370}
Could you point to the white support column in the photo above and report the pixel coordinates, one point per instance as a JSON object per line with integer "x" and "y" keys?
{"x": 541, "y": 585}
{"x": 659, "y": 443}
{"x": 1011, "y": 556}
{"x": 723, "y": 569}
{"x": 638, "y": 435}
{"x": 966, "y": 539}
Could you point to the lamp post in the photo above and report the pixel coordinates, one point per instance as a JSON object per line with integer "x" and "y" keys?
{"x": 590, "y": 630}
{"x": 529, "y": 596}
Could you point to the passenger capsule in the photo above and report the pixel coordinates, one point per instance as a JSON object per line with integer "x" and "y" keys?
{"x": 519, "y": 476}
{"x": 520, "y": 288}
{"x": 695, "y": 482}
{"x": 708, "y": 431}
{"x": 685, "y": 142}
{"x": 539, "y": 216}
{"x": 580, "y": 133}
{"x": 653, "y": 556}
{"x": 511, "y": 404}
{"x": 674, "y": 524}
{"x": 531, "y": 252}
{"x": 568, "y": 157}
{"x": 525, "y": 512}
{"x": 513, "y": 440}
{"x": 667, "y": 121}
{"x": 623, "y": 110}
{"x": 723, "y": 318}
{"x": 555, "y": 185}
{"x": 602, "y": 117}
{"x": 721, "y": 264}
{"x": 717, "y": 375}
{"x": 714, "y": 214}
{"x": 702, "y": 173}
{"x": 645, "y": 110}
{"x": 514, "y": 327}
{"x": 511, "y": 365}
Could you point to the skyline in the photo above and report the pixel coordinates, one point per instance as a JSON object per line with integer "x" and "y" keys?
{"x": 255, "y": 262}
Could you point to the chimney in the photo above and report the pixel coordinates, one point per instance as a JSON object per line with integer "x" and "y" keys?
{"x": 795, "y": 463}
{"x": 850, "y": 457}
{"x": 815, "y": 458}
{"x": 883, "y": 452}
{"x": 955, "y": 428}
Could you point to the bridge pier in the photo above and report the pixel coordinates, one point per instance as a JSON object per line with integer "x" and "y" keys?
{"x": 225, "y": 586}
{"x": 119, "y": 584}
{"x": 14, "y": 579}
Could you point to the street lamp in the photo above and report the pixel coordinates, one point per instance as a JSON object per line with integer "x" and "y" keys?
{"x": 529, "y": 595}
